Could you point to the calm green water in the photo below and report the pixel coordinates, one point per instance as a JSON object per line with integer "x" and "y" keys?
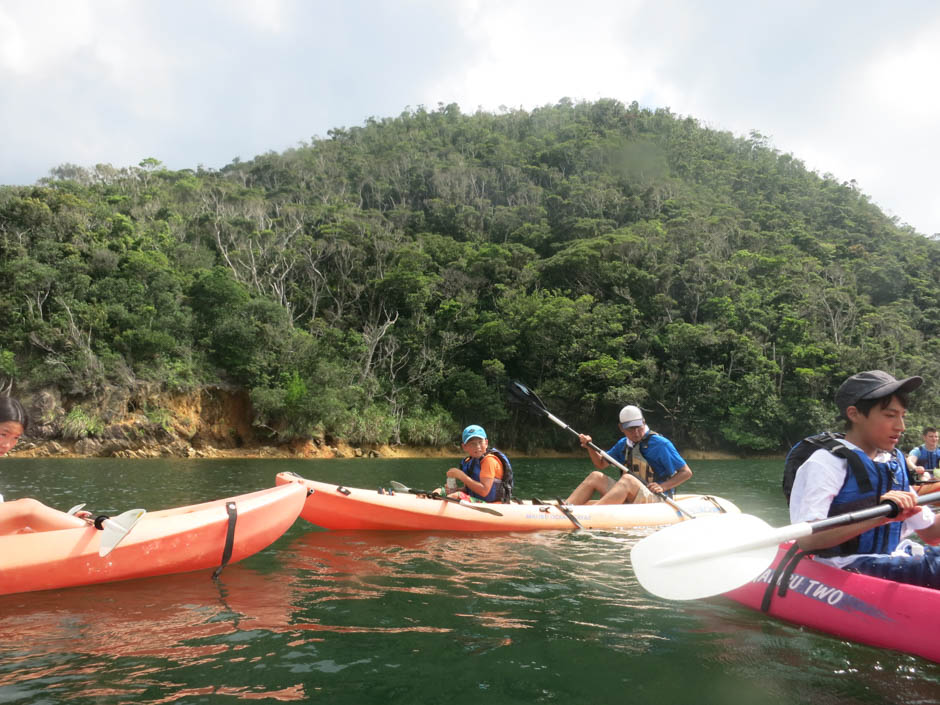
{"x": 360, "y": 618}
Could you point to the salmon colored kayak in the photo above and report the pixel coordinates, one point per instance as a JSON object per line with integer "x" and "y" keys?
{"x": 851, "y": 606}
{"x": 922, "y": 488}
{"x": 168, "y": 541}
{"x": 338, "y": 507}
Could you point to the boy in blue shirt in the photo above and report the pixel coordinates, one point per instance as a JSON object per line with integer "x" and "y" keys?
{"x": 926, "y": 458}
{"x": 669, "y": 469}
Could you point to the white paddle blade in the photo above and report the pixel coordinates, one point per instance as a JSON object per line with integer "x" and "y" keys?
{"x": 116, "y": 528}
{"x": 76, "y": 509}
{"x": 705, "y": 556}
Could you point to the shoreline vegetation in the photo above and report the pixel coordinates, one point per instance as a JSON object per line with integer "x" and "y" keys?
{"x": 311, "y": 450}
{"x": 217, "y": 423}
{"x": 381, "y": 286}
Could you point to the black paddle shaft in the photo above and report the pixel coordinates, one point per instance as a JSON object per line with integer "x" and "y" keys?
{"x": 444, "y": 498}
{"x": 886, "y": 508}
{"x": 523, "y": 393}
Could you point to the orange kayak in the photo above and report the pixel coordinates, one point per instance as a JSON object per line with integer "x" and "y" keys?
{"x": 925, "y": 487}
{"x": 162, "y": 542}
{"x": 338, "y": 507}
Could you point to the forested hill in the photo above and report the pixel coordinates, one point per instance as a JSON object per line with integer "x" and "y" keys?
{"x": 383, "y": 283}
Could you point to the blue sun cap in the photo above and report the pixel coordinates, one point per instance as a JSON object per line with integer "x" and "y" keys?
{"x": 473, "y": 432}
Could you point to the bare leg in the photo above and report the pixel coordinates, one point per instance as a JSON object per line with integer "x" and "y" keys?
{"x": 623, "y": 491}
{"x": 595, "y": 482}
{"x": 26, "y": 515}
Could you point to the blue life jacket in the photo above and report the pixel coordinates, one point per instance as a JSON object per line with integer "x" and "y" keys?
{"x": 928, "y": 459}
{"x": 501, "y": 490}
{"x": 882, "y": 477}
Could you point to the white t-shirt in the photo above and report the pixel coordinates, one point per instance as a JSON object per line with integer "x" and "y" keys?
{"x": 810, "y": 500}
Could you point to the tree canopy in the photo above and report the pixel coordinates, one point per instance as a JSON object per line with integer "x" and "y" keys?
{"x": 383, "y": 283}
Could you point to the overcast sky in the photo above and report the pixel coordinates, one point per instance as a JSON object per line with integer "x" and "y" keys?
{"x": 850, "y": 87}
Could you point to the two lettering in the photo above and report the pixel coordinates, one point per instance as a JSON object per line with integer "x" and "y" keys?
{"x": 828, "y": 594}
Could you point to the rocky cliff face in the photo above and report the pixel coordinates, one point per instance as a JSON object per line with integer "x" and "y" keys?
{"x": 211, "y": 422}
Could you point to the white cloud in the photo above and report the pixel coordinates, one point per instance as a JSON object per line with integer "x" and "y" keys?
{"x": 13, "y": 44}
{"x": 878, "y": 126}
{"x": 526, "y": 57}
{"x": 273, "y": 16}
{"x": 36, "y": 36}
{"x": 902, "y": 79}
{"x": 849, "y": 88}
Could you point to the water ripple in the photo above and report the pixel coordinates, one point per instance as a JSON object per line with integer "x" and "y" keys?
{"x": 365, "y": 617}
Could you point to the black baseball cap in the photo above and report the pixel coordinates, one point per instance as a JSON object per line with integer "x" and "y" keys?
{"x": 873, "y": 384}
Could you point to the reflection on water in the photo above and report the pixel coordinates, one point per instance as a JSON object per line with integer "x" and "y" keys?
{"x": 154, "y": 638}
{"x": 370, "y": 617}
{"x": 122, "y": 638}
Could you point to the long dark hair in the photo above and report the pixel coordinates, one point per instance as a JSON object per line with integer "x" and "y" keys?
{"x": 12, "y": 410}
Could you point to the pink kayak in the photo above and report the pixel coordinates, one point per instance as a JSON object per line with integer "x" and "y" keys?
{"x": 851, "y": 606}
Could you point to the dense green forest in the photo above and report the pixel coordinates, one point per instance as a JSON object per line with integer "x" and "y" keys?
{"x": 383, "y": 283}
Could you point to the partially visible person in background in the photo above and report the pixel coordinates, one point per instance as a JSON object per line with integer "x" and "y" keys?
{"x": 25, "y": 515}
{"x": 925, "y": 458}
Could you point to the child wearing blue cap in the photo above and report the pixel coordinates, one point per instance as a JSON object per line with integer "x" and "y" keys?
{"x": 485, "y": 473}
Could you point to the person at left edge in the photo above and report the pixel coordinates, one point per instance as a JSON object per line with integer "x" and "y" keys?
{"x": 485, "y": 472}
{"x": 25, "y": 515}
{"x": 669, "y": 468}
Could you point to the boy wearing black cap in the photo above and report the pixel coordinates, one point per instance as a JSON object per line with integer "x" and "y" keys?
{"x": 873, "y": 405}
